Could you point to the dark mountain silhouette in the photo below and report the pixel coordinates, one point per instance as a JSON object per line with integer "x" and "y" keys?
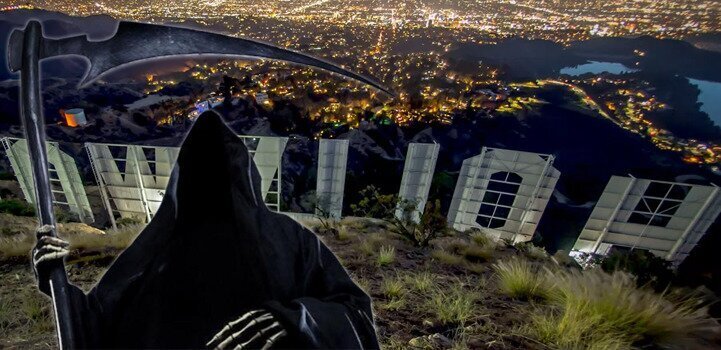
{"x": 524, "y": 59}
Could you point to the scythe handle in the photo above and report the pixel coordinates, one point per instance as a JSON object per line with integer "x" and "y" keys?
{"x": 33, "y": 122}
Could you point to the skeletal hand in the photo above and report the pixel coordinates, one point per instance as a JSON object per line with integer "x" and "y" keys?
{"x": 47, "y": 250}
{"x": 256, "y": 329}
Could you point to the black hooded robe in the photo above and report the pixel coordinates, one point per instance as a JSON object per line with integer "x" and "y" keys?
{"x": 213, "y": 252}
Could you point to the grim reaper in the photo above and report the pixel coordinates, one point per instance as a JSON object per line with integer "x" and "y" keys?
{"x": 216, "y": 268}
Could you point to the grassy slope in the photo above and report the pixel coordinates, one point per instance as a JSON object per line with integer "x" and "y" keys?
{"x": 450, "y": 295}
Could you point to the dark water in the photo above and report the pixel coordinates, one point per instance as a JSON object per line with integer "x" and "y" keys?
{"x": 597, "y": 67}
{"x": 710, "y": 98}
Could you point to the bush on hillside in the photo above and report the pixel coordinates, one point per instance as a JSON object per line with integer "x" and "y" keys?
{"x": 128, "y": 221}
{"x": 16, "y": 207}
{"x": 648, "y": 268}
{"x": 319, "y": 205}
{"x": 401, "y": 215}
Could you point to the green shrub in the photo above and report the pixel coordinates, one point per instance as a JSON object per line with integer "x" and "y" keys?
{"x": 129, "y": 221}
{"x": 647, "y": 267}
{"x": 64, "y": 216}
{"x": 518, "y": 279}
{"x": 563, "y": 259}
{"x": 374, "y": 204}
{"x": 432, "y": 222}
{"x": 16, "y": 207}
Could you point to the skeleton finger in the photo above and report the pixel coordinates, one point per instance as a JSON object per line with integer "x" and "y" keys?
{"x": 237, "y": 335}
{"x": 274, "y": 338}
{"x": 37, "y": 253}
{"x": 272, "y": 328}
{"x": 222, "y": 334}
{"x": 52, "y": 256}
{"x": 50, "y": 240}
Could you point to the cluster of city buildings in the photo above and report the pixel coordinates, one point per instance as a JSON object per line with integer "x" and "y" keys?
{"x": 563, "y": 21}
{"x": 630, "y": 103}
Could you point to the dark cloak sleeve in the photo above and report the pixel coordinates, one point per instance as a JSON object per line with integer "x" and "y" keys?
{"x": 213, "y": 252}
{"x": 334, "y": 313}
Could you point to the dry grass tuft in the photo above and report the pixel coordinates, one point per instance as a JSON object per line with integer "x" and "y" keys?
{"x": 531, "y": 251}
{"x": 369, "y": 244}
{"x": 571, "y": 329}
{"x": 393, "y": 287}
{"x": 452, "y": 305}
{"x": 386, "y": 255}
{"x": 444, "y": 257}
{"x": 477, "y": 254}
{"x": 7, "y": 316}
{"x": 595, "y": 310}
{"x": 518, "y": 279}
{"x": 114, "y": 239}
{"x": 363, "y": 283}
{"x": 19, "y": 246}
{"x": 421, "y": 282}
{"x": 394, "y": 304}
{"x": 481, "y": 239}
{"x": 16, "y": 246}
{"x": 35, "y": 309}
{"x": 345, "y": 233}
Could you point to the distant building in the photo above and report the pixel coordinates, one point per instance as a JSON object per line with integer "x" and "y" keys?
{"x": 202, "y": 106}
{"x": 215, "y": 101}
{"x": 75, "y": 117}
{"x": 504, "y": 192}
{"x": 205, "y": 105}
{"x": 665, "y": 218}
{"x": 261, "y": 98}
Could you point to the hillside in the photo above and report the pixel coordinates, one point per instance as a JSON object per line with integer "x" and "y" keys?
{"x": 462, "y": 292}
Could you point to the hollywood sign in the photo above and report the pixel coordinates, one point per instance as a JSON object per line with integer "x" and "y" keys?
{"x": 503, "y": 192}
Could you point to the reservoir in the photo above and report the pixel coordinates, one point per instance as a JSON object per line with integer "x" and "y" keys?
{"x": 597, "y": 67}
{"x": 710, "y": 98}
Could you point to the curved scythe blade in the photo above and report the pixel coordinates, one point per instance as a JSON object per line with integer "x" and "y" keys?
{"x": 134, "y": 42}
